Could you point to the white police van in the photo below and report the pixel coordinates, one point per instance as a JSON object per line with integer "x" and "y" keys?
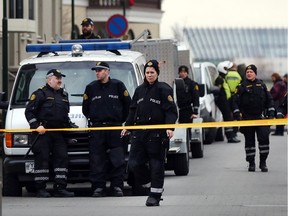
{"x": 75, "y": 60}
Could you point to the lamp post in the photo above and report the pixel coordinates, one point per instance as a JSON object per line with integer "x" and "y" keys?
{"x": 5, "y": 50}
{"x": 73, "y": 32}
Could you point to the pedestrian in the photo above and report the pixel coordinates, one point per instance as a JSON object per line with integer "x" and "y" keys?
{"x": 252, "y": 101}
{"x": 48, "y": 107}
{"x": 87, "y": 30}
{"x": 188, "y": 97}
{"x": 106, "y": 103}
{"x": 222, "y": 101}
{"x": 152, "y": 104}
{"x": 278, "y": 91}
{"x": 233, "y": 79}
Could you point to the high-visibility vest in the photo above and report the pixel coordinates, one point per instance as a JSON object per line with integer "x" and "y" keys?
{"x": 233, "y": 79}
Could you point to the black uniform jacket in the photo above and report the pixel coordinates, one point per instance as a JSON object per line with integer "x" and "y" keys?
{"x": 92, "y": 36}
{"x": 48, "y": 106}
{"x": 106, "y": 103}
{"x": 152, "y": 104}
{"x": 252, "y": 99}
{"x": 189, "y": 96}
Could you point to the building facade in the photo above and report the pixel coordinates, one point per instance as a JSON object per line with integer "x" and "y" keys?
{"x": 42, "y": 21}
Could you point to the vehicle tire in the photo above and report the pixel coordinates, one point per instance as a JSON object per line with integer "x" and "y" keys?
{"x": 181, "y": 163}
{"x": 209, "y": 134}
{"x": 196, "y": 149}
{"x": 11, "y": 185}
{"x": 219, "y": 135}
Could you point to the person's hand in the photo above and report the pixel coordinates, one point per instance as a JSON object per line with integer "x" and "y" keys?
{"x": 193, "y": 116}
{"x": 169, "y": 133}
{"x": 237, "y": 116}
{"x": 40, "y": 129}
{"x": 124, "y": 132}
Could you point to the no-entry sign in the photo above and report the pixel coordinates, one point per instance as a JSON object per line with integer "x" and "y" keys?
{"x": 117, "y": 25}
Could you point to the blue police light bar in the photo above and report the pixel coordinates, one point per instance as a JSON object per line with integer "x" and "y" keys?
{"x": 85, "y": 46}
{"x": 90, "y": 40}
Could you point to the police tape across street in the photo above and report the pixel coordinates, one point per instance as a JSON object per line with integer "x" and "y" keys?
{"x": 242, "y": 123}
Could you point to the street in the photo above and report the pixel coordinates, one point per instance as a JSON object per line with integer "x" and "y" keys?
{"x": 217, "y": 185}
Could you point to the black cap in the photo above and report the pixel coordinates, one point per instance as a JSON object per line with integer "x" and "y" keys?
{"x": 100, "y": 66}
{"x": 54, "y": 72}
{"x": 183, "y": 68}
{"x": 87, "y": 21}
{"x": 152, "y": 63}
{"x": 252, "y": 67}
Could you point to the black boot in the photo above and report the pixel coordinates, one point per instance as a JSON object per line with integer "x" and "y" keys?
{"x": 252, "y": 166}
{"x": 263, "y": 166}
{"x": 62, "y": 192}
{"x": 43, "y": 193}
{"x": 233, "y": 140}
{"x": 153, "y": 201}
{"x": 99, "y": 192}
{"x": 116, "y": 192}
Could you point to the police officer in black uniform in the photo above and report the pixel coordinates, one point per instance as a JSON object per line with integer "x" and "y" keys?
{"x": 188, "y": 98}
{"x": 106, "y": 102}
{"x": 152, "y": 103}
{"x": 48, "y": 107}
{"x": 253, "y": 101}
{"x": 87, "y": 30}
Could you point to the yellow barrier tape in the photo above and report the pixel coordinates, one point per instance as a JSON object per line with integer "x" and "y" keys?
{"x": 262, "y": 122}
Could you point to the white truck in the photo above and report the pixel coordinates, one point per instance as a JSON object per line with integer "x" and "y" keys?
{"x": 75, "y": 59}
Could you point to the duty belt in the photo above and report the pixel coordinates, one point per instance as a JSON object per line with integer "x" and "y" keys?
{"x": 103, "y": 124}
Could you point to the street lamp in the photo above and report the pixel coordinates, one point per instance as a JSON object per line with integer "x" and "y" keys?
{"x": 5, "y": 51}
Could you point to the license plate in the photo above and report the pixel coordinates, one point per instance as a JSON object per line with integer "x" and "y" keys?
{"x": 29, "y": 167}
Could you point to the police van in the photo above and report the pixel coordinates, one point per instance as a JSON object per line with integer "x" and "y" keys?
{"x": 74, "y": 59}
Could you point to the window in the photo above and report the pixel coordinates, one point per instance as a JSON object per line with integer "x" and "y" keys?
{"x": 31, "y": 9}
{"x": 78, "y": 75}
{"x": 17, "y": 7}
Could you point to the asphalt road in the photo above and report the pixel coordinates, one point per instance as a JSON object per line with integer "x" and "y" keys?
{"x": 217, "y": 185}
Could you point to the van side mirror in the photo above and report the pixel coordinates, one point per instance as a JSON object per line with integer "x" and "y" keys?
{"x": 3, "y": 104}
{"x": 201, "y": 90}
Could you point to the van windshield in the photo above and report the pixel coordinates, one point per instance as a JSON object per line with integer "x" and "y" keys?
{"x": 78, "y": 75}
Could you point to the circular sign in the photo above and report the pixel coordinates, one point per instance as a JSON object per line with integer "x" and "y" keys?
{"x": 117, "y": 25}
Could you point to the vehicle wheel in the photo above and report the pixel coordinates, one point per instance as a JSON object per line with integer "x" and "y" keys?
{"x": 209, "y": 133}
{"x": 219, "y": 135}
{"x": 196, "y": 149}
{"x": 11, "y": 185}
{"x": 181, "y": 164}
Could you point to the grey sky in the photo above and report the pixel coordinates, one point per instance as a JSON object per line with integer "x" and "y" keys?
{"x": 223, "y": 13}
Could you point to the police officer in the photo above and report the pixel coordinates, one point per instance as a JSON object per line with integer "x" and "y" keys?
{"x": 152, "y": 103}
{"x": 106, "y": 102}
{"x": 48, "y": 107}
{"x": 188, "y": 98}
{"x": 222, "y": 101}
{"x": 252, "y": 99}
{"x": 87, "y": 30}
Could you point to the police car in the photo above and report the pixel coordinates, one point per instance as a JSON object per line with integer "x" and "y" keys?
{"x": 75, "y": 60}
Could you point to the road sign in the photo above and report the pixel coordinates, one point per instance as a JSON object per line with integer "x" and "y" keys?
{"x": 117, "y": 25}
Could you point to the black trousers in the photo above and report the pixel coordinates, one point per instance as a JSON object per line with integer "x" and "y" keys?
{"x": 54, "y": 143}
{"x": 224, "y": 107}
{"x": 107, "y": 159}
{"x": 147, "y": 159}
{"x": 185, "y": 115}
{"x": 262, "y": 133}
